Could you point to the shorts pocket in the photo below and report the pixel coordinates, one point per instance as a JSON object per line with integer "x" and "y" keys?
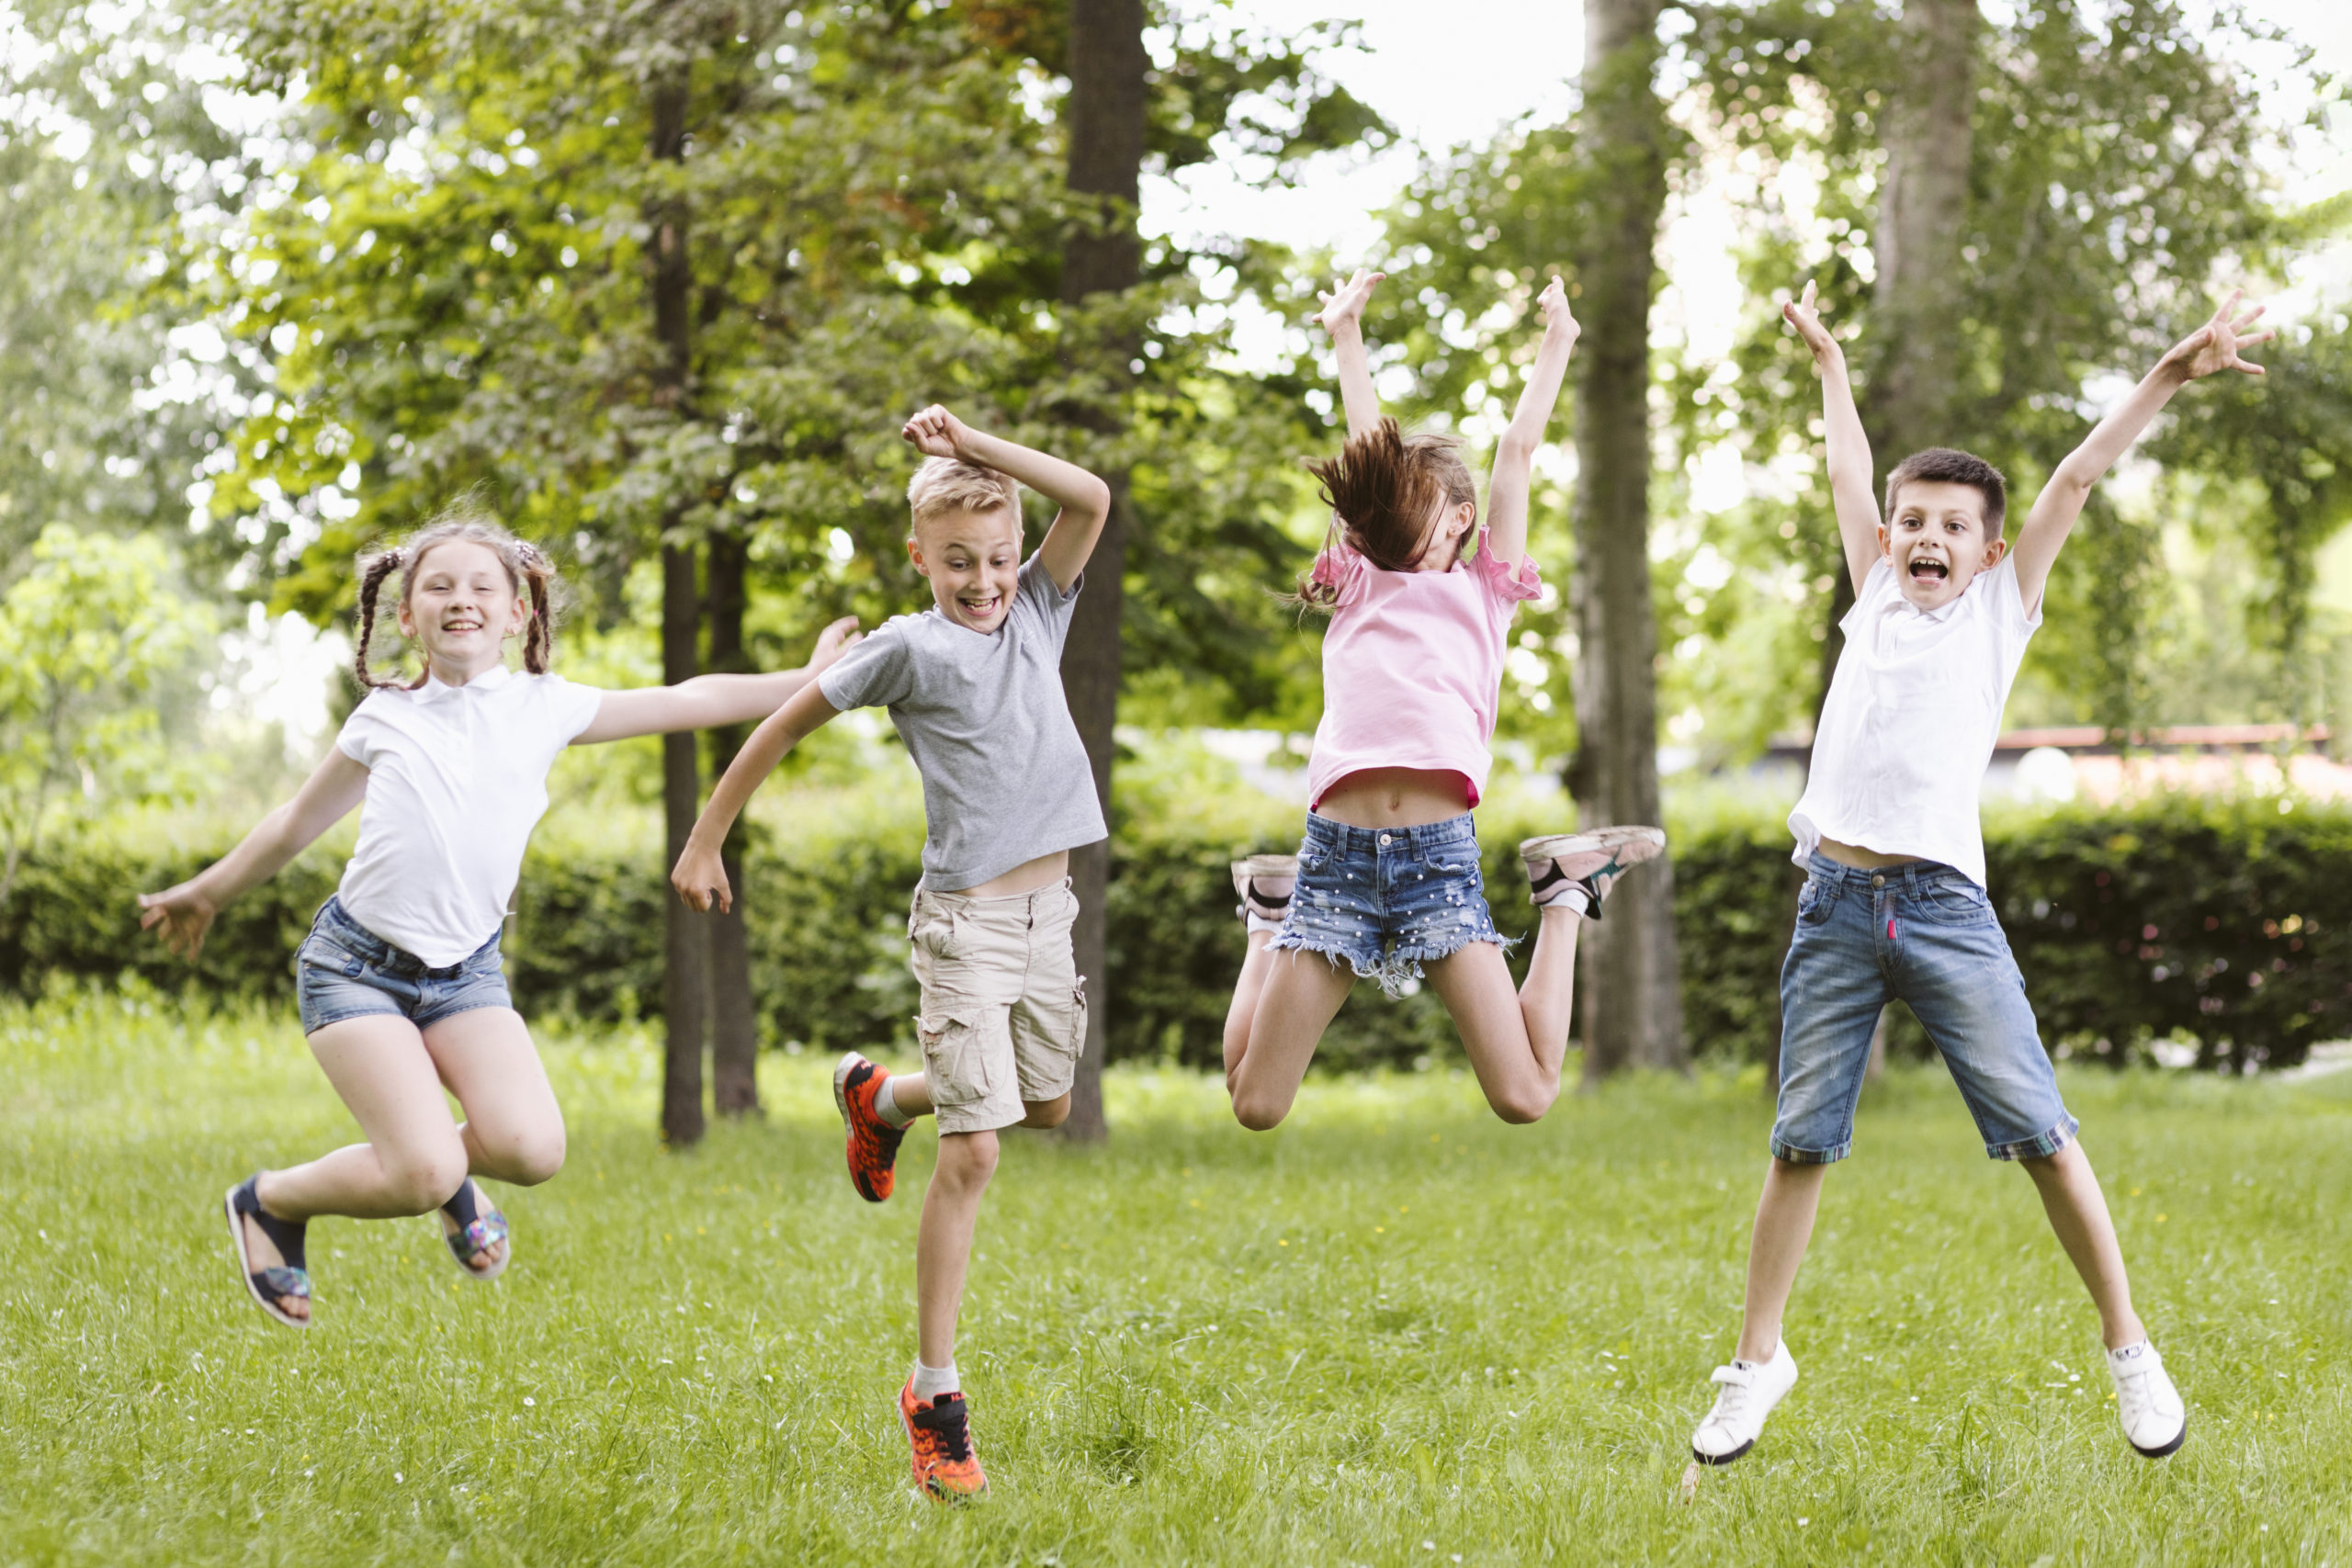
{"x": 1955, "y": 904}
{"x": 933, "y": 929}
{"x": 1815, "y": 901}
{"x": 954, "y": 1060}
{"x": 321, "y": 952}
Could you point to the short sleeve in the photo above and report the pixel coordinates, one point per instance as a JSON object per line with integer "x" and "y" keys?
{"x": 2010, "y": 601}
{"x": 570, "y": 708}
{"x": 356, "y": 739}
{"x": 1510, "y": 587}
{"x": 1876, "y": 587}
{"x": 1342, "y": 569}
{"x": 878, "y": 670}
{"x": 1036, "y": 588}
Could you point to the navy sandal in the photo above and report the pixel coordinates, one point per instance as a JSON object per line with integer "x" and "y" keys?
{"x": 287, "y": 1280}
{"x": 477, "y": 1233}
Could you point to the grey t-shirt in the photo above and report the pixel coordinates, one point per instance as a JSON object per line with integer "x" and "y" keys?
{"x": 1004, "y": 776}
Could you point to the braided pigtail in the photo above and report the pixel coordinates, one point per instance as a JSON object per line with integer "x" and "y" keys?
{"x": 538, "y": 638}
{"x": 372, "y": 572}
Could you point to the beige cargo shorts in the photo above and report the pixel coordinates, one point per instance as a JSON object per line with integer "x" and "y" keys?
{"x": 1003, "y": 1016}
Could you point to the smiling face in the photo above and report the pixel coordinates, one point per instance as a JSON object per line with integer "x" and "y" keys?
{"x": 1935, "y": 539}
{"x": 459, "y": 608}
{"x": 973, "y": 559}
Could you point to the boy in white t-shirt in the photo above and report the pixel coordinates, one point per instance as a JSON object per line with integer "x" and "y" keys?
{"x": 1895, "y": 904}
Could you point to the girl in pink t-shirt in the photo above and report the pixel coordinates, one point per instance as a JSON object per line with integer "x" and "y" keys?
{"x": 1387, "y": 878}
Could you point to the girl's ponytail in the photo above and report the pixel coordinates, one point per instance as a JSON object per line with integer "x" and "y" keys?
{"x": 372, "y": 572}
{"x": 1384, "y": 488}
{"x": 538, "y": 638}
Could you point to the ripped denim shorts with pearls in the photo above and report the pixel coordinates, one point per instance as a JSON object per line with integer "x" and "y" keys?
{"x": 1388, "y": 899}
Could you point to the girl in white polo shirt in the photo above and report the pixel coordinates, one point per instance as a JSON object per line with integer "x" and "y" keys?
{"x": 400, "y": 981}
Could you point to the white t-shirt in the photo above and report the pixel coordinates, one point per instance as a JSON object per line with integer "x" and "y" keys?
{"x": 456, "y": 778}
{"x": 1912, "y": 715}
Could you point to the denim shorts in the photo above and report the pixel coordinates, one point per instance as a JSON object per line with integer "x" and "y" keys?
{"x": 343, "y": 970}
{"x": 1927, "y": 934}
{"x": 1387, "y": 899}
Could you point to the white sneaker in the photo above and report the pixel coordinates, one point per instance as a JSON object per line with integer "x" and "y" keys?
{"x": 2155, "y": 1420}
{"x": 1264, "y": 884}
{"x": 1580, "y": 868}
{"x": 1751, "y": 1391}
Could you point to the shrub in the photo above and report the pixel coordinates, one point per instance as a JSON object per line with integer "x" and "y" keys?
{"x": 2221, "y": 923}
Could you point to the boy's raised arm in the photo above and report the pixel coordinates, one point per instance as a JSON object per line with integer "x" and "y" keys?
{"x": 2210, "y": 348}
{"x": 1084, "y": 499}
{"x": 1851, "y": 482}
{"x": 1515, "y": 455}
{"x": 1343, "y": 317}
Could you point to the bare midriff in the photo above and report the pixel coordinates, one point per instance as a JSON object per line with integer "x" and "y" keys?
{"x": 1395, "y": 797}
{"x": 1860, "y": 858}
{"x": 1026, "y": 877}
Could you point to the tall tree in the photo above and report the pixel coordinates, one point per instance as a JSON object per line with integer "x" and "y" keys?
{"x": 734, "y": 1020}
{"x": 1632, "y": 975}
{"x": 1103, "y": 121}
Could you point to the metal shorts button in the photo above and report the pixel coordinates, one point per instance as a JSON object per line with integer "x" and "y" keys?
{"x": 1878, "y": 882}
{"x": 1383, "y": 840}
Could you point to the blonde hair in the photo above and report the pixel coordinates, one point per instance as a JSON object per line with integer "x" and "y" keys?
{"x": 943, "y": 486}
{"x": 1384, "y": 488}
{"x": 528, "y": 571}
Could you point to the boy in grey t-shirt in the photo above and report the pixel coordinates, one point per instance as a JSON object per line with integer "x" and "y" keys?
{"x": 974, "y": 687}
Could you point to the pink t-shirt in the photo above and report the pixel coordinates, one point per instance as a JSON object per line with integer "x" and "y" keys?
{"x": 1413, "y": 666}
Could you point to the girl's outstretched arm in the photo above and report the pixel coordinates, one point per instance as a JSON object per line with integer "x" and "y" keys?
{"x": 1515, "y": 458}
{"x": 707, "y": 702}
{"x": 698, "y": 876}
{"x": 1343, "y": 317}
{"x": 182, "y": 915}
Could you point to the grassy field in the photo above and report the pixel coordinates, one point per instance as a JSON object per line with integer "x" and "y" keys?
{"x": 1395, "y": 1332}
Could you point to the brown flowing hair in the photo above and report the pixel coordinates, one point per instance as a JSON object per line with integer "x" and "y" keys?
{"x": 1384, "y": 490}
{"x": 528, "y": 571}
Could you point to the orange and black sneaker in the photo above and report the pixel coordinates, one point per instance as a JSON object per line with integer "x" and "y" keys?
{"x": 873, "y": 1143}
{"x": 940, "y": 1433}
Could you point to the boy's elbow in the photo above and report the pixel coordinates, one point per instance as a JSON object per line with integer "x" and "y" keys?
{"x": 1098, "y": 499}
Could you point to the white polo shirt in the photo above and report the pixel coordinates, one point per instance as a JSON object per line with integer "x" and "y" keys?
{"x": 456, "y": 778}
{"x": 1913, "y": 709}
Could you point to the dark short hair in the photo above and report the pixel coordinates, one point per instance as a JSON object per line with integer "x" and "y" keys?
{"x": 1949, "y": 465}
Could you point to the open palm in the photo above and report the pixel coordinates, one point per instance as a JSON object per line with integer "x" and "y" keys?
{"x": 2218, "y": 344}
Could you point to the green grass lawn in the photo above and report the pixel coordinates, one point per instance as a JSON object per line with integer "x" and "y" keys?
{"x": 1395, "y": 1332}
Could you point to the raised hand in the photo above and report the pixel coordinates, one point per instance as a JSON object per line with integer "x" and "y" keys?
{"x": 2215, "y": 346}
{"x": 183, "y": 916}
{"x": 1553, "y": 306}
{"x": 1804, "y": 316}
{"x": 936, "y": 433}
{"x": 1343, "y": 306}
{"x": 832, "y": 642}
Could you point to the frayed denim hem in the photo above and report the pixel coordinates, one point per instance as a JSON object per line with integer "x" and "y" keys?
{"x": 1395, "y": 970}
{"x": 2040, "y": 1147}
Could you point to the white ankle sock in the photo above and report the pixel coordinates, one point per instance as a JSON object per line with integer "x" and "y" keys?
{"x": 1572, "y": 897}
{"x": 1254, "y": 923}
{"x": 885, "y": 1105}
{"x": 932, "y": 1382}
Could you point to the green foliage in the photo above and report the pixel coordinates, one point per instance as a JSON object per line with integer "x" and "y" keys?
{"x": 1396, "y": 1320}
{"x": 90, "y": 637}
{"x": 2250, "y": 962}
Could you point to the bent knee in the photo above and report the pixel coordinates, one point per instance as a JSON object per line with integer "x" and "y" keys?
{"x": 1047, "y": 1113}
{"x": 1258, "y": 1115}
{"x": 422, "y": 1185}
{"x": 536, "y": 1160}
{"x": 965, "y": 1159}
{"x": 1519, "y": 1107}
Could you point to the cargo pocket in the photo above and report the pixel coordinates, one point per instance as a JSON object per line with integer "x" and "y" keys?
{"x": 955, "y": 1061}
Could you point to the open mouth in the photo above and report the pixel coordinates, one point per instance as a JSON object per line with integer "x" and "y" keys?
{"x": 1926, "y": 569}
{"x": 981, "y": 609}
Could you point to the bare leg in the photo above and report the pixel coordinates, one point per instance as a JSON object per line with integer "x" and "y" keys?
{"x": 1783, "y": 1230}
{"x": 513, "y": 1129}
{"x": 2078, "y": 1210}
{"x": 1301, "y": 993}
{"x": 1516, "y": 1040}
{"x": 951, "y": 1209}
{"x": 1244, "y": 1009}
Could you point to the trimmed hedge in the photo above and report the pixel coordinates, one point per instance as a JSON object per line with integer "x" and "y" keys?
{"x": 2222, "y": 923}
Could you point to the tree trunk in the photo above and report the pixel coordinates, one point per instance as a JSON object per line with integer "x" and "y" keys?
{"x": 687, "y": 947}
{"x": 1912, "y": 352}
{"x": 1105, "y": 115}
{"x": 1630, "y": 972}
{"x": 734, "y": 1026}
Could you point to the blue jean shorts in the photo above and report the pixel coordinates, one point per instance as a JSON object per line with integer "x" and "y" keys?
{"x": 343, "y": 970}
{"x": 1388, "y": 899}
{"x": 1927, "y": 934}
